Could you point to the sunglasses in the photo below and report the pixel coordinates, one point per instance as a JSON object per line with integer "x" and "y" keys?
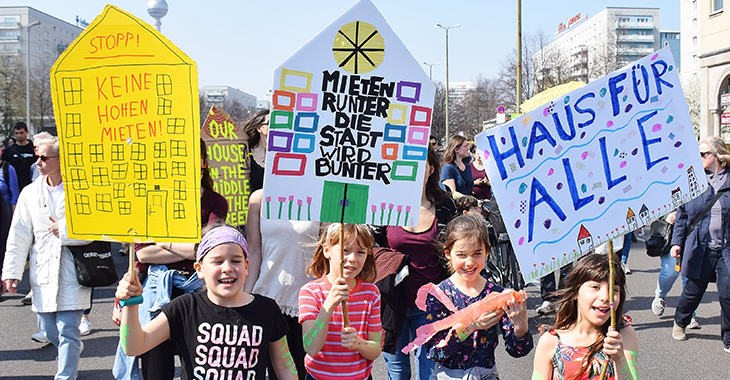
{"x": 704, "y": 154}
{"x": 46, "y": 158}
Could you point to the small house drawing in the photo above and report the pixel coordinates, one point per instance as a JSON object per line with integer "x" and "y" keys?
{"x": 677, "y": 197}
{"x": 694, "y": 188}
{"x": 644, "y": 215}
{"x": 128, "y": 128}
{"x": 631, "y": 220}
{"x": 585, "y": 241}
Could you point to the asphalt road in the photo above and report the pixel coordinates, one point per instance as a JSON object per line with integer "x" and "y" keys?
{"x": 660, "y": 356}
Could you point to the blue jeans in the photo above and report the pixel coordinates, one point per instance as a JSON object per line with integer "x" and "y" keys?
{"x": 398, "y": 364}
{"x": 627, "y": 247}
{"x": 62, "y": 330}
{"x": 667, "y": 276}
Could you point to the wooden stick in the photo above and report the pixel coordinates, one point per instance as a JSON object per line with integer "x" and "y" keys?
{"x": 610, "y": 299}
{"x": 345, "y": 318}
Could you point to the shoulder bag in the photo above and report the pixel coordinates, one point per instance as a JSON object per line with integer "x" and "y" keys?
{"x": 94, "y": 264}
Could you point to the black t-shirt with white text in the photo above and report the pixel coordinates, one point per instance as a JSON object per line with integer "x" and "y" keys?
{"x": 21, "y": 157}
{"x": 224, "y": 342}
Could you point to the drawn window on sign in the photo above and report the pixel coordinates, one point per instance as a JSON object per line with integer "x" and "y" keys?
{"x": 118, "y": 190}
{"x": 119, "y": 171}
{"x": 178, "y": 211}
{"x": 140, "y": 172}
{"x": 164, "y": 84}
{"x": 139, "y": 152}
{"x": 75, "y": 154}
{"x": 140, "y": 190}
{"x": 160, "y": 149}
{"x": 179, "y": 192}
{"x": 175, "y": 126}
{"x": 125, "y": 207}
{"x": 178, "y": 168}
{"x": 164, "y": 106}
{"x": 72, "y": 91}
{"x": 117, "y": 152}
{"x": 159, "y": 169}
{"x": 78, "y": 179}
{"x": 82, "y": 204}
{"x": 178, "y": 148}
{"x": 100, "y": 176}
{"x": 73, "y": 125}
{"x": 404, "y": 171}
{"x": 104, "y": 202}
{"x": 295, "y": 81}
{"x": 96, "y": 152}
{"x": 397, "y": 114}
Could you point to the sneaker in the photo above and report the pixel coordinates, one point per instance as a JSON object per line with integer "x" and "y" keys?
{"x": 40, "y": 337}
{"x": 545, "y": 308}
{"x": 625, "y": 267}
{"x": 694, "y": 325}
{"x": 28, "y": 299}
{"x": 678, "y": 332}
{"x": 727, "y": 349}
{"x": 658, "y": 305}
{"x": 85, "y": 326}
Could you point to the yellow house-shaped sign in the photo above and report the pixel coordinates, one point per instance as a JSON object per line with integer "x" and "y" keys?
{"x": 126, "y": 105}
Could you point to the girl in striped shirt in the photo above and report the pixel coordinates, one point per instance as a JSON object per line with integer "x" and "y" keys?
{"x": 336, "y": 351}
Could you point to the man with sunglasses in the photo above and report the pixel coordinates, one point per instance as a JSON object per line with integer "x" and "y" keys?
{"x": 21, "y": 154}
{"x": 38, "y": 232}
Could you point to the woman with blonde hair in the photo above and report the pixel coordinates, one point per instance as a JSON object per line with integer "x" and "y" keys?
{"x": 704, "y": 251}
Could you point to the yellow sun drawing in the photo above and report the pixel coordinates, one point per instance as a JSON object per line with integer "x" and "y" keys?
{"x": 358, "y": 47}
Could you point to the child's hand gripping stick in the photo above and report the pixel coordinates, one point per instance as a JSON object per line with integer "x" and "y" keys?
{"x": 463, "y": 317}
{"x": 137, "y": 299}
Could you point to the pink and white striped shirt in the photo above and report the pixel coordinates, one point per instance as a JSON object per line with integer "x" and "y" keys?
{"x": 335, "y": 362}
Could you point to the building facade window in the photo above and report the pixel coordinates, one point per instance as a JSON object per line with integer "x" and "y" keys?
{"x": 694, "y": 23}
{"x": 694, "y": 41}
{"x": 716, "y": 6}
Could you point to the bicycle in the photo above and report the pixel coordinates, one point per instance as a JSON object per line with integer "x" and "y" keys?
{"x": 501, "y": 267}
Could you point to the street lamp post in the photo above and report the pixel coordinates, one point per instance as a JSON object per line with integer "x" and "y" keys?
{"x": 430, "y": 68}
{"x": 446, "y": 28}
{"x": 27, "y": 77}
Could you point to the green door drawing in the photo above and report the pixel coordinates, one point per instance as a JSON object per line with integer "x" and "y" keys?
{"x": 353, "y": 197}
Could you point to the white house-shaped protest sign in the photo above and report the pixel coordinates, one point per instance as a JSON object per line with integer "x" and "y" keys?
{"x": 349, "y": 127}
{"x": 571, "y": 174}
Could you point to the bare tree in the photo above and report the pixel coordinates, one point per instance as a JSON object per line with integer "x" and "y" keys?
{"x": 507, "y": 77}
{"x": 40, "y": 91}
{"x": 479, "y": 105}
{"x": 438, "y": 115}
{"x": 12, "y": 92}
{"x": 691, "y": 89}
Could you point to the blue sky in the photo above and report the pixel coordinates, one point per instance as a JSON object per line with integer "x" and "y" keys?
{"x": 240, "y": 43}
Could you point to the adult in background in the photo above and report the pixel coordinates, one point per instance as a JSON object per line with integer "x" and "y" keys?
{"x": 170, "y": 274}
{"x": 705, "y": 252}
{"x": 482, "y": 188}
{"x": 424, "y": 266}
{"x": 21, "y": 154}
{"x": 455, "y": 173}
{"x": 278, "y": 254}
{"x": 8, "y": 184}
{"x": 257, "y": 129}
{"x": 39, "y": 230}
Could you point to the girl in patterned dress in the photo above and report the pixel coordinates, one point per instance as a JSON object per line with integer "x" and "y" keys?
{"x": 467, "y": 351}
{"x": 582, "y": 338}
